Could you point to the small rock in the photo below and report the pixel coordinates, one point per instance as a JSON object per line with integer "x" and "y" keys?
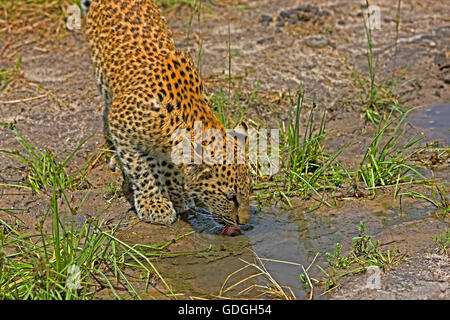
{"x": 288, "y": 13}
{"x": 265, "y": 20}
{"x": 309, "y": 8}
{"x": 263, "y": 40}
{"x": 447, "y": 79}
{"x": 317, "y": 41}
{"x": 441, "y": 60}
{"x": 300, "y": 15}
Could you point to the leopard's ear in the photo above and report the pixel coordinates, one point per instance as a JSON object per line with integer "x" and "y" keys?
{"x": 194, "y": 172}
{"x": 242, "y": 128}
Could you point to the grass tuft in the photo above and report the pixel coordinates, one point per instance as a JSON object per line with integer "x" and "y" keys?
{"x": 8, "y": 76}
{"x": 443, "y": 241}
{"x": 388, "y": 163}
{"x": 378, "y": 98}
{"x": 365, "y": 253}
{"x": 231, "y": 110}
{"x": 44, "y": 169}
{"x": 307, "y": 170}
{"x": 69, "y": 262}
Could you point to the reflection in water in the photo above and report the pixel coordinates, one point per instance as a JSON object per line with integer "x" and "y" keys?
{"x": 433, "y": 122}
{"x": 297, "y": 236}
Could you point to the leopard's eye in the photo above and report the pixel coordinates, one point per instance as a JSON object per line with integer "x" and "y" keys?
{"x": 230, "y": 195}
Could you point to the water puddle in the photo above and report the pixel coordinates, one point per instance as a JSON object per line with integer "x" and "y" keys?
{"x": 433, "y": 122}
{"x": 297, "y": 236}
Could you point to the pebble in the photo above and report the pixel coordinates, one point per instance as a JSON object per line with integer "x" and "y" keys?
{"x": 265, "y": 20}
{"x": 263, "y": 40}
{"x": 317, "y": 41}
{"x": 301, "y": 14}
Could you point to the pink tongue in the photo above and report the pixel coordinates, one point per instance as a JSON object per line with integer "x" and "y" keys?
{"x": 231, "y": 231}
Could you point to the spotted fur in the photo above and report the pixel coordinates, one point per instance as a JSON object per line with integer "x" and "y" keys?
{"x": 150, "y": 90}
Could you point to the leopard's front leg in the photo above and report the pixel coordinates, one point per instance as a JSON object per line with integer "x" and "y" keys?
{"x": 151, "y": 199}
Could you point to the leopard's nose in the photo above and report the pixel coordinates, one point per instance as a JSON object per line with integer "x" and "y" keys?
{"x": 243, "y": 217}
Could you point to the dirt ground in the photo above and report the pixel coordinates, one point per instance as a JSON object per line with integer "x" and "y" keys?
{"x": 56, "y": 104}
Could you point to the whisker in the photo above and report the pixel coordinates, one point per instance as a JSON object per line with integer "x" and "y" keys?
{"x": 217, "y": 218}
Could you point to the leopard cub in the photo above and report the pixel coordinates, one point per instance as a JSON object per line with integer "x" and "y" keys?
{"x": 151, "y": 89}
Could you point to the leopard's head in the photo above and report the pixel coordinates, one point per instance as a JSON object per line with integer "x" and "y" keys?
{"x": 224, "y": 188}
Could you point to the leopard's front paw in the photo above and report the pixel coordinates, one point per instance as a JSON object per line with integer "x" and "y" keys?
{"x": 158, "y": 211}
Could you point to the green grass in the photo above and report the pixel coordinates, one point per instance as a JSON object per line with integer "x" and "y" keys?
{"x": 41, "y": 265}
{"x": 442, "y": 241}
{"x": 307, "y": 161}
{"x": 112, "y": 191}
{"x": 7, "y": 76}
{"x": 438, "y": 197}
{"x": 365, "y": 252}
{"x": 69, "y": 262}
{"x": 73, "y": 262}
{"x": 378, "y": 98}
{"x": 397, "y": 25}
{"x": 44, "y": 169}
{"x": 230, "y": 109}
{"x": 387, "y": 161}
{"x": 307, "y": 170}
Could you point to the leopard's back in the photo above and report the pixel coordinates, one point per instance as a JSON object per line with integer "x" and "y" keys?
{"x": 122, "y": 43}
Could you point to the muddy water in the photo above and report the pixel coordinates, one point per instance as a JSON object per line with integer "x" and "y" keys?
{"x": 297, "y": 235}
{"x": 433, "y": 122}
